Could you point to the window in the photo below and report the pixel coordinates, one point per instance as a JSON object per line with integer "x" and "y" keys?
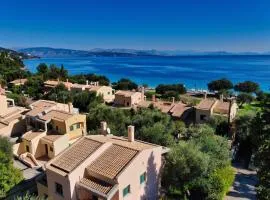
{"x": 56, "y": 128}
{"x": 143, "y": 178}
{"x": 78, "y": 125}
{"x": 27, "y": 148}
{"x": 126, "y": 191}
{"x": 71, "y": 128}
{"x": 203, "y": 117}
{"x": 109, "y": 93}
{"x": 59, "y": 189}
{"x": 94, "y": 197}
{"x": 51, "y": 148}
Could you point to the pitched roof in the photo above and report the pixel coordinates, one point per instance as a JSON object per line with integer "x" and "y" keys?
{"x": 19, "y": 81}
{"x": 51, "y": 82}
{"x": 76, "y": 154}
{"x": 40, "y": 106}
{"x": 222, "y": 107}
{"x": 122, "y": 141}
{"x": 94, "y": 88}
{"x": 56, "y": 114}
{"x": 96, "y": 184}
{"x": 31, "y": 135}
{"x": 206, "y": 104}
{"x": 125, "y": 93}
{"x": 179, "y": 109}
{"x": 112, "y": 161}
{"x": 51, "y": 138}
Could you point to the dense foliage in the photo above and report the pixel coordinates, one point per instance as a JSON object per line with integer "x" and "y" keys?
{"x": 125, "y": 84}
{"x": 247, "y": 87}
{"x": 81, "y": 79}
{"x": 196, "y": 167}
{"x": 171, "y": 90}
{"x": 11, "y": 67}
{"x": 151, "y": 125}
{"x": 220, "y": 85}
{"x": 10, "y": 176}
{"x": 262, "y": 132}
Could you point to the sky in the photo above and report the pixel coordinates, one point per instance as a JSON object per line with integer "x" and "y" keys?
{"x": 201, "y": 25}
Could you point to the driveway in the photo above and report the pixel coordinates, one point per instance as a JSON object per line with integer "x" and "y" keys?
{"x": 244, "y": 185}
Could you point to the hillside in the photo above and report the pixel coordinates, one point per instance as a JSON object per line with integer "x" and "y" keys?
{"x": 11, "y": 65}
{"x": 60, "y": 52}
{"x": 17, "y": 54}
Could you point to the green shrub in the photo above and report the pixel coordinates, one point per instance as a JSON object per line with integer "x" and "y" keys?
{"x": 220, "y": 181}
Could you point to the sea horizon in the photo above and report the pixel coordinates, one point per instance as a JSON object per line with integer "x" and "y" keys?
{"x": 194, "y": 71}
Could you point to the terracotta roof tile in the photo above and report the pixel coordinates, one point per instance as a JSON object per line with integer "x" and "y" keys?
{"x": 125, "y": 93}
{"x": 31, "y": 135}
{"x": 179, "y": 109}
{"x": 56, "y": 114}
{"x": 122, "y": 141}
{"x": 112, "y": 161}
{"x": 76, "y": 154}
{"x": 51, "y": 138}
{"x": 206, "y": 104}
{"x": 222, "y": 107}
{"x": 19, "y": 81}
{"x": 96, "y": 184}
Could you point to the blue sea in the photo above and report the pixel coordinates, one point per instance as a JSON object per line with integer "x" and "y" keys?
{"x": 193, "y": 71}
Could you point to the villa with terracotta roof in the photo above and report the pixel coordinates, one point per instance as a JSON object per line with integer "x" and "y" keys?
{"x": 18, "y": 82}
{"x": 177, "y": 110}
{"x": 51, "y": 127}
{"x": 128, "y": 98}
{"x": 104, "y": 167}
{"x": 105, "y": 91}
{"x": 208, "y": 107}
{"x": 11, "y": 117}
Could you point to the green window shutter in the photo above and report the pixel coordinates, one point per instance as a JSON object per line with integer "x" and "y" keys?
{"x": 143, "y": 178}
{"x": 126, "y": 190}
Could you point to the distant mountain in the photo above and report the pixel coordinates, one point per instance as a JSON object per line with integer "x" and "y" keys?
{"x": 59, "y": 52}
{"x": 20, "y": 55}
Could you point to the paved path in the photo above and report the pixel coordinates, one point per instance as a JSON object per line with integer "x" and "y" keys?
{"x": 244, "y": 185}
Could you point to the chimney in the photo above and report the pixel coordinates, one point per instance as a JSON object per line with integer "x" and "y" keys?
{"x": 87, "y": 82}
{"x": 153, "y": 98}
{"x": 221, "y": 97}
{"x": 97, "y": 83}
{"x": 131, "y": 130}
{"x": 142, "y": 92}
{"x": 103, "y": 126}
{"x": 173, "y": 100}
{"x": 67, "y": 80}
{"x": 70, "y": 107}
{"x": 58, "y": 80}
{"x": 205, "y": 95}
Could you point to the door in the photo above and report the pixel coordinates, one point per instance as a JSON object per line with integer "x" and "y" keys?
{"x": 46, "y": 149}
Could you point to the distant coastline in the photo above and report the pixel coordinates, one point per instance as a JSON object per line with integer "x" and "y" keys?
{"x": 193, "y": 71}
{"x": 60, "y": 52}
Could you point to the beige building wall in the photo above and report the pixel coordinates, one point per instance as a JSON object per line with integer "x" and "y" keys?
{"x": 128, "y": 100}
{"x": 15, "y": 128}
{"x": 136, "y": 98}
{"x": 107, "y": 93}
{"x": 60, "y": 144}
{"x": 3, "y": 104}
{"x": 69, "y": 182}
{"x": 79, "y": 120}
{"x": 36, "y": 148}
{"x": 42, "y": 190}
{"x": 202, "y": 115}
{"x": 122, "y": 100}
{"x": 149, "y": 162}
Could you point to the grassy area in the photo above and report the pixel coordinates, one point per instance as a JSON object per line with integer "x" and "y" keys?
{"x": 253, "y": 107}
